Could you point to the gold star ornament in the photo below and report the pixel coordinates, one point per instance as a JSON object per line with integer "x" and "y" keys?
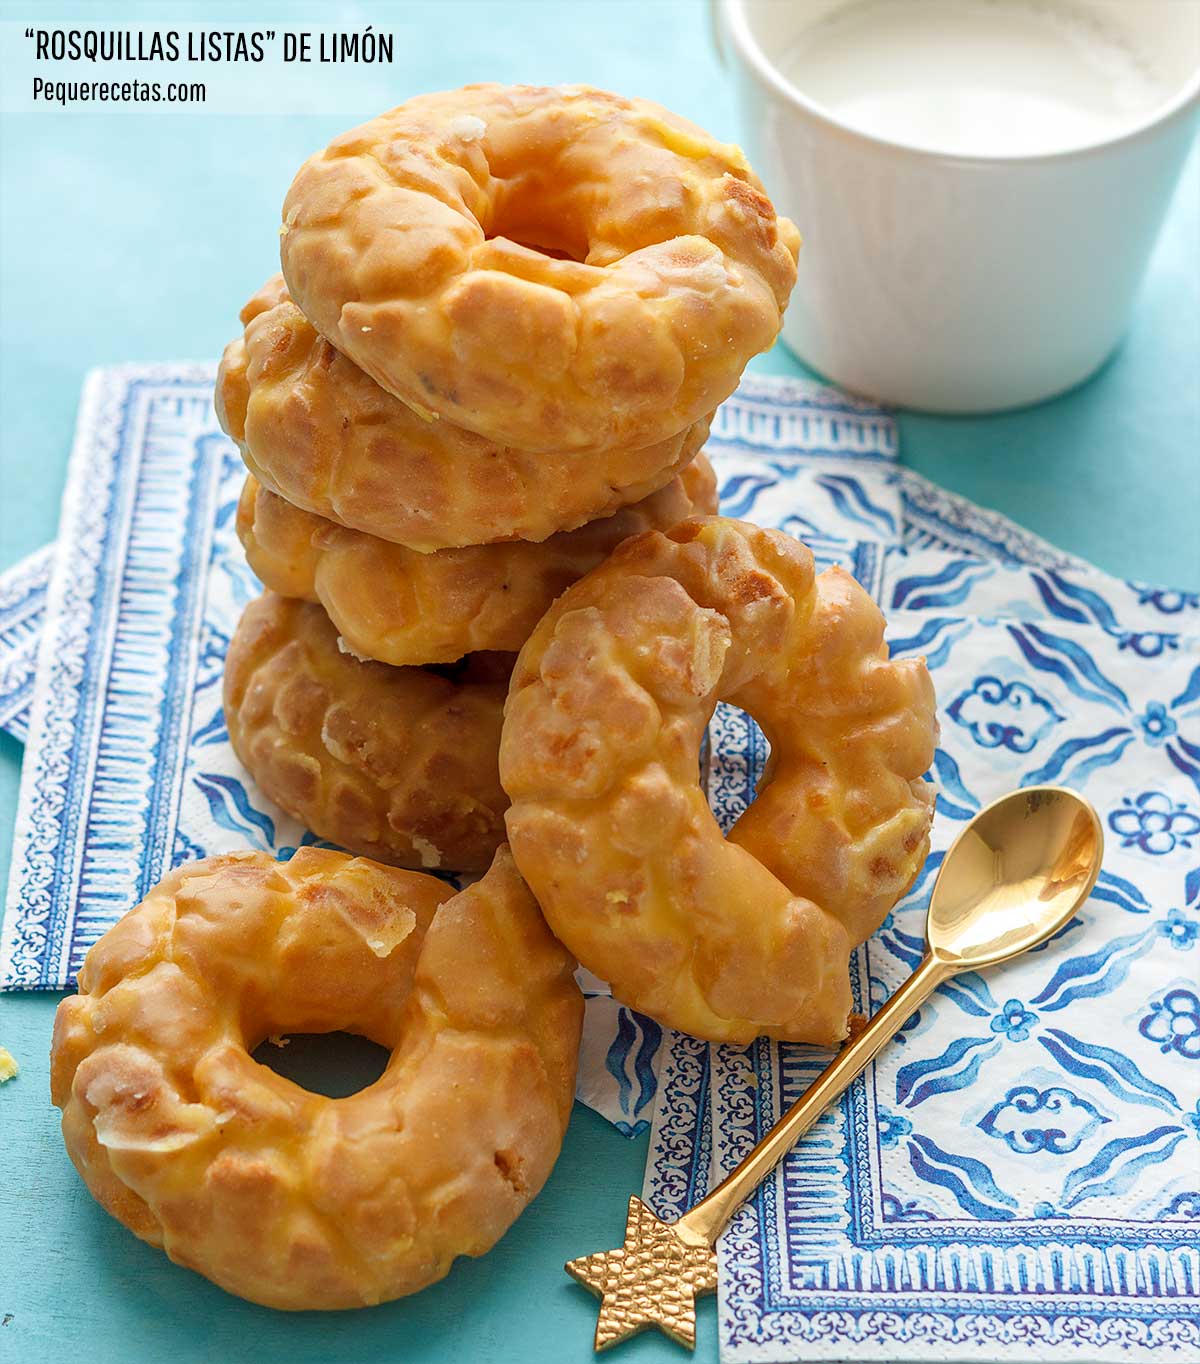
{"x": 654, "y": 1279}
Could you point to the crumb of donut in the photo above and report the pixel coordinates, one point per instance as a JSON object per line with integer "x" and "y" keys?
{"x": 430, "y": 856}
{"x": 8, "y": 1065}
{"x": 344, "y": 648}
{"x": 855, "y": 1025}
{"x": 277, "y": 1039}
{"x": 468, "y": 127}
{"x": 402, "y": 922}
{"x": 508, "y": 1163}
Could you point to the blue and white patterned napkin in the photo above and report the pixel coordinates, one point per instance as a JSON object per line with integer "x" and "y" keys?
{"x": 1020, "y": 1173}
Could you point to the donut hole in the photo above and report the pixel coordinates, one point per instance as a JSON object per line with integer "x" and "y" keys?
{"x": 335, "y": 1064}
{"x": 733, "y": 731}
{"x": 554, "y": 252}
{"x": 527, "y": 211}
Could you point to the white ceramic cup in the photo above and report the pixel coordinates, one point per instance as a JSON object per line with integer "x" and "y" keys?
{"x": 959, "y": 283}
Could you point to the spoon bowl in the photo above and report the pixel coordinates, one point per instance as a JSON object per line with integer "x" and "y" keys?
{"x": 1014, "y": 876}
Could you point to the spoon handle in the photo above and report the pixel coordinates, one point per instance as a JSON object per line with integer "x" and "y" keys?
{"x": 705, "y": 1222}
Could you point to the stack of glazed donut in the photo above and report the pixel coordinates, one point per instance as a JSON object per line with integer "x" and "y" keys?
{"x": 498, "y": 605}
{"x": 505, "y": 318}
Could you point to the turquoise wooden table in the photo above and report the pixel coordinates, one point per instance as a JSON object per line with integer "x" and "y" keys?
{"x": 125, "y": 236}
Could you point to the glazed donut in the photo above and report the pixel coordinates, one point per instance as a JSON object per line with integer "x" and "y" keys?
{"x": 277, "y": 1194}
{"x": 725, "y": 939}
{"x": 557, "y": 269}
{"x": 401, "y": 607}
{"x": 315, "y": 429}
{"x": 399, "y": 764}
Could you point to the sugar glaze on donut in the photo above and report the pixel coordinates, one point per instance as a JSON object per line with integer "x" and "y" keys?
{"x": 399, "y": 764}
{"x": 553, "y": 268}
{"x": 317, "y": 430}
{"x": 722, "y": 938}
{"x": 277, "y": 1194}
{"x": 393, "y": 604}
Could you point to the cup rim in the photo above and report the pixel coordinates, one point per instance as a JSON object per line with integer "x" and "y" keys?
{"x": 733, "y": 14}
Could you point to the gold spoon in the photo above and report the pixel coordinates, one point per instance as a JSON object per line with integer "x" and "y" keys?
{"x": 1013, "y": 877}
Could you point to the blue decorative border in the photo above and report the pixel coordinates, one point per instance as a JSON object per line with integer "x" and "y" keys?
{"x": 128, "y": 594}
{"x": 23, "y": 590}
{"x": 939, "y": 519}
{"x": 679, "y": 1162}
{"x": 18, "y": 675}
{"x": 874, "y": 1304}
{"x": 806, "y": 420}
{"x": 22, "y": 615}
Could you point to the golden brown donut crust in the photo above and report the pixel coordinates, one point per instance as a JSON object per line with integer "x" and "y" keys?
{"x": 315, "y": 429}
{"x": 401, "y": 607}
{"x": 399, "y": 764}
{"x": 607, "y": 706}
{"x": 277, "y": 1194}
{"x": 417, "y": 244}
